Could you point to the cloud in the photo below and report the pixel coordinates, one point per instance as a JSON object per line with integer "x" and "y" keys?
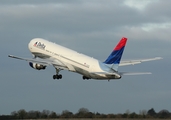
{"x": 138, "y": 4}
{"x": 85, "y": 17}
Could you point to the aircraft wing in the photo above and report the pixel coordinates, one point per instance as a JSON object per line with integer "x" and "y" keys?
{"x": 46, "y": 62}
{"x": 133, "y": 62}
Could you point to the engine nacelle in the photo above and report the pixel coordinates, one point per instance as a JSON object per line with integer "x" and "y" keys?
{"x": 37, "y": 66}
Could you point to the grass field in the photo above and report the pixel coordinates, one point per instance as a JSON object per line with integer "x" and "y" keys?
{"x": 100, "y": 119}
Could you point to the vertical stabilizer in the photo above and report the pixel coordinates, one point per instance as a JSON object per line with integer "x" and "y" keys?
{"x": 116, "y": 55}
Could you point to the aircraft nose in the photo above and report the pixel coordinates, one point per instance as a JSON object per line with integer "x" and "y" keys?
{"x": 30, "y": 45}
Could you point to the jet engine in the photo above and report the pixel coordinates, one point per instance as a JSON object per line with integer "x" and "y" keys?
{"x": 37, "y": 66}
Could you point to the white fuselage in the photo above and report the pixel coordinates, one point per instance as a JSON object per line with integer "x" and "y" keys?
{"x": 72, "y": 60}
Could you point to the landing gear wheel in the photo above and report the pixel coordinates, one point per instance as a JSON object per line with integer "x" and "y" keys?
{"x": 54, "y": 77}
{"x": 57, "y": 76}
{"x": 85, "y": 78}
{"x": 60, "y": 76}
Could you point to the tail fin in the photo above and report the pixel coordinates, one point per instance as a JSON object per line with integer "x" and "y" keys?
{"x": 116, "y": 55}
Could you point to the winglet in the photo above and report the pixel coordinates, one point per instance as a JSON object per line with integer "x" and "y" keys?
{"x": 116, "y": 55}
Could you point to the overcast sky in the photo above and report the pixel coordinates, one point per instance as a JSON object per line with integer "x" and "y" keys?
{"x": 92, "y": 27}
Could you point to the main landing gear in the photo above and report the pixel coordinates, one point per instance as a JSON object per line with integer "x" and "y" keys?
{"x": 85, "y": 78}
{"x": 57, "y": 76}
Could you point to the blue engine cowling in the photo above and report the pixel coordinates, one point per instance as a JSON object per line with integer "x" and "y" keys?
{"x": 37, "y": 66}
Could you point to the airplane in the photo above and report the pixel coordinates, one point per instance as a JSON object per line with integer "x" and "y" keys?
{"x": 46, "y": 53}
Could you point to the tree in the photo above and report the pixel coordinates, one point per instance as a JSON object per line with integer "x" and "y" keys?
{"x": 126, "y": 114}
{"x": 133, "y": 115}
{"x": 164, "y": 114}
{"x": 53, "y": 115}
{"x": 97, "y": 115}
{"x": 22, "y": 114}
{"x": 45, "y": 113}
{"x": 89, "y": 115}
{"x": 151, "y": 112}
{"x": 14, "y": 114}
{"x": 66, "y": 114}
{"x": 111, "y": 116}
{"x": 143, "y": 113}
{"x": 33, "y": 114}
{"x": 82, "y": 112}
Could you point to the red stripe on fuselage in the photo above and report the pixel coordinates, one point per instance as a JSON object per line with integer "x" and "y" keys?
{"x": 121, "y": 44}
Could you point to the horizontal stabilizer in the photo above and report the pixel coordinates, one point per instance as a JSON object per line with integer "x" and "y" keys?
{"x": 133, "y": 62}
{"x": 134, "y": 73}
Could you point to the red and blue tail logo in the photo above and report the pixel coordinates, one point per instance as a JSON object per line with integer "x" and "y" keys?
{"x": 116, "y": 55}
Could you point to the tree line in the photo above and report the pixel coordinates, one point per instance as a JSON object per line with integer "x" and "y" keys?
{"x": 85, "y": 113}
